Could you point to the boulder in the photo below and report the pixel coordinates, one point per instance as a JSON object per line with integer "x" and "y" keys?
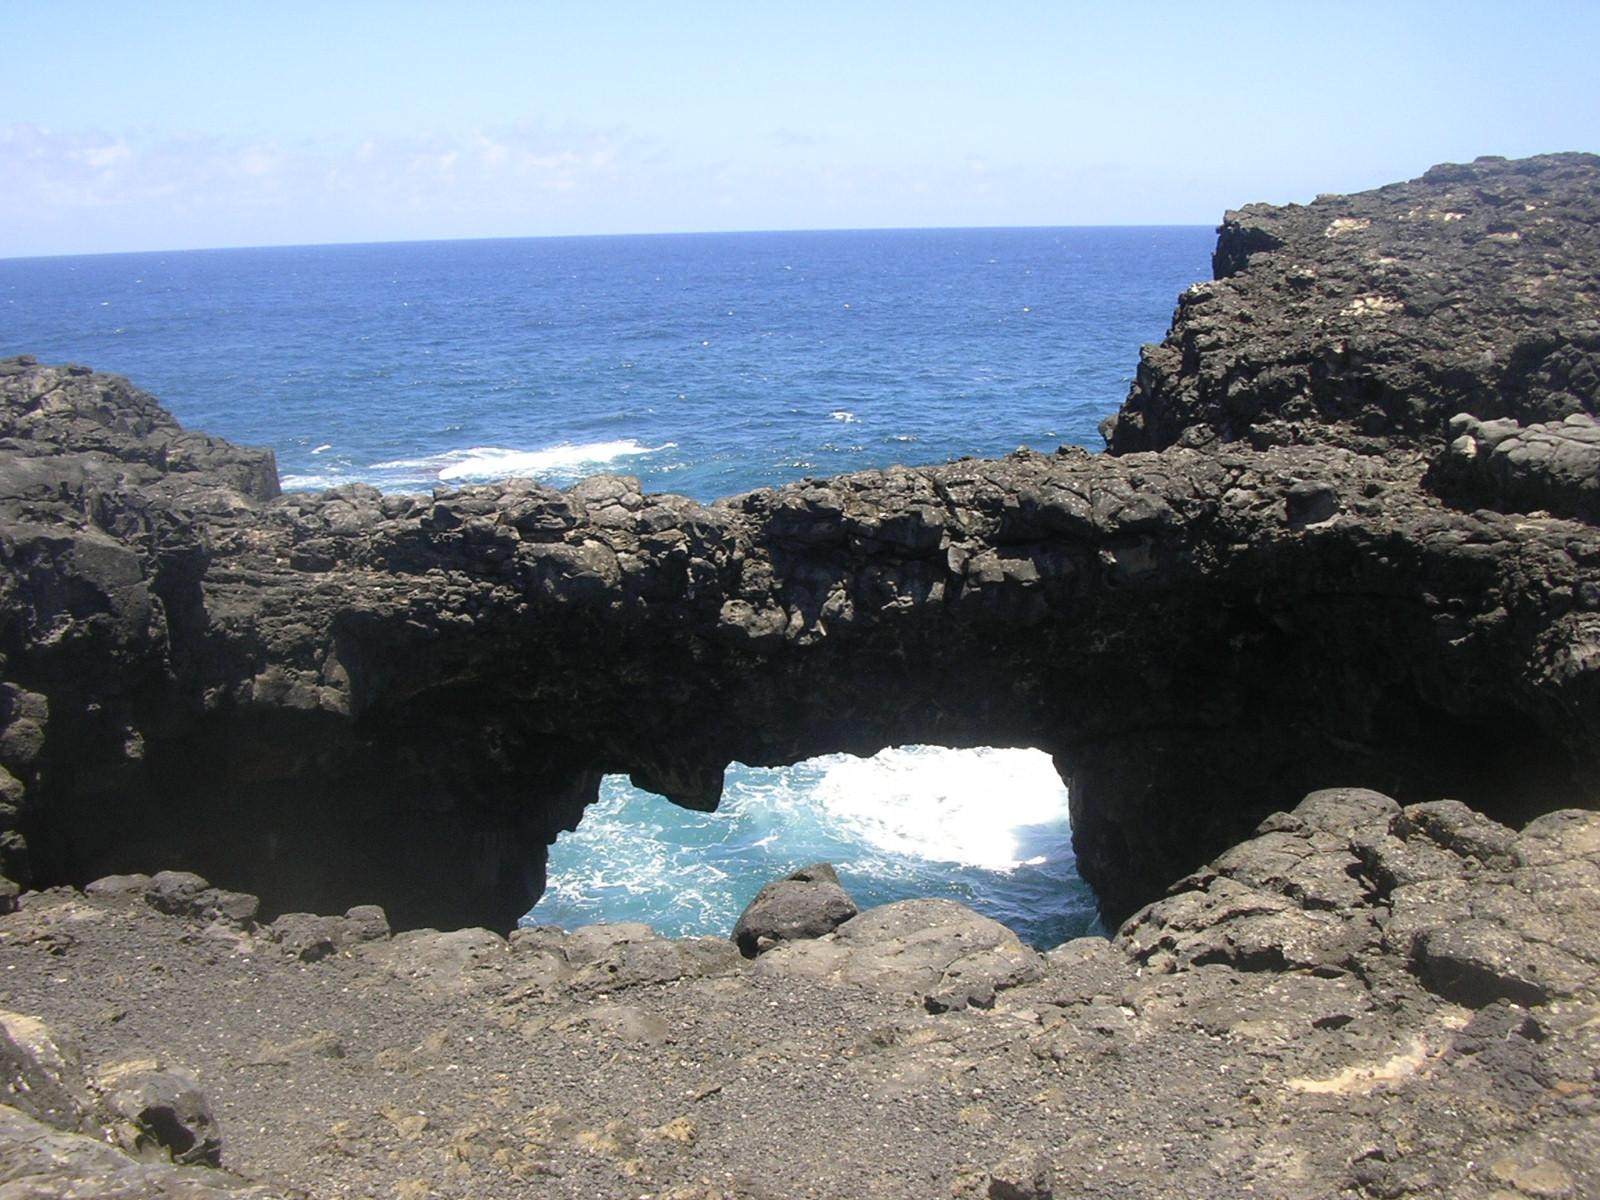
{"x": 161, "y": 1112}
{"x": 175, "y": 891}
{"x": 936, "y": 950}
{"x": 41, "y": 1162}
{"x": 40, "y": 1075}
{"x": 805, "y": 904}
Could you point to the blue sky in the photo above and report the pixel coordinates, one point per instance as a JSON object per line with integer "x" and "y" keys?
{"x": 168, "y": 125}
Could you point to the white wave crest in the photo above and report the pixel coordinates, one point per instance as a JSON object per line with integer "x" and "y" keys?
{"x": 492, "y": 462}
{"x": 313, "y": 483}
{"x": 566, "y": 459}
{"x": 843, "y": 415}
{"x": 934, "y": 803}
{"x": 911, "y": 821}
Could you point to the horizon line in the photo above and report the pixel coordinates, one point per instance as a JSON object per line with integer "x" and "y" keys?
{"x": 553, "y": 237}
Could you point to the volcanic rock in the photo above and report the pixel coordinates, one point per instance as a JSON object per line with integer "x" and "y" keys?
{"x": 1293, "y": 568}
{"x": 162, "y": 1111}
{"x": 1352, "y": 1056}
{"x": 805, "y": 904}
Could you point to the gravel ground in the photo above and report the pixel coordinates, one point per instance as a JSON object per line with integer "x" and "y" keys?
{"x": 1228, "y": 1041}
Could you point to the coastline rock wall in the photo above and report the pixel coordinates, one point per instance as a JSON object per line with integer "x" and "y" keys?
{"x": 1369, "y": 321}
{"x": 333, "y": 698}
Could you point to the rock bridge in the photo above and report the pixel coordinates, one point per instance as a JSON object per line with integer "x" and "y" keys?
{"x": 1343, "y": 536}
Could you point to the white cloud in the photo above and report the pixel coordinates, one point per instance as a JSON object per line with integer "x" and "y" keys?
{"x": 79, "y": 192}
{"x": 89, "y": 191}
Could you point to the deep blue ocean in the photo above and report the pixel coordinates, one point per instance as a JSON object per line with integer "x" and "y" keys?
{"x": 703, "y": 364}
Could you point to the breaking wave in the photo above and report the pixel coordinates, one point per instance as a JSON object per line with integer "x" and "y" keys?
{"x": 496, "y": 462}
{"x": 987, "y": 827}
{"x": 561, "y": 463}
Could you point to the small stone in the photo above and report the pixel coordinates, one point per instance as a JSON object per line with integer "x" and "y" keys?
{"x": 409, "y": 1125}
{"x": 164, "y": 1113}
{"x": 367, "y": 923}
{"x": 1024, "y": 1175}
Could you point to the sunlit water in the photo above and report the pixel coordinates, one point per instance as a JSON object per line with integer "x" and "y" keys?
{"x": 987, "y": 827}
{"x": 704, "y": 364}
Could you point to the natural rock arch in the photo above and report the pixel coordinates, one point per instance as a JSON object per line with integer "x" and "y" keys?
{"x": 345, "y": 697}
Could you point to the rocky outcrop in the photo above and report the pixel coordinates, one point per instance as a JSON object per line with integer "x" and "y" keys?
{"x": 326, "y": 699}
{"x": 1364, "y": 999}
{"x": 60, "y": 1133}
{"x": 1552, "y": 467}
{"x": 942, "y": 952}
{"x": 1369, "y": 321}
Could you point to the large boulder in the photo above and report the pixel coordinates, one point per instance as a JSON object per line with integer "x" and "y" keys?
{"x": 939, "y": 951}
{"x": 805, "y": 904}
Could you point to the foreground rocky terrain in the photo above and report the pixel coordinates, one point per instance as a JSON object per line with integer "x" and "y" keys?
{"x": 1362, "y": 1000}
{"x": 1344, "y": 534}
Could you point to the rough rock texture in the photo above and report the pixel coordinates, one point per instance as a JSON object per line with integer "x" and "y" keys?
{"x": 1553, "y": 466}
{"x": 41, "y": 1162}
{"x": 343, "y": 697}
{"x": 1365, "y": 1000}
{"x": 805, "y": 904}
{"x": 1368, "y": 321}
{"x": 163, "y": 1112}
{"x": 58, "y": 1130}
{"x": 938, "y": 950}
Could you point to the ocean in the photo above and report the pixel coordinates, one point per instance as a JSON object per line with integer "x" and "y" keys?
{"x": 702, "y": 364}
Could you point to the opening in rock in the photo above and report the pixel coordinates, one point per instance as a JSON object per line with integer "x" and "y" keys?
{"x": 987, "y": 827}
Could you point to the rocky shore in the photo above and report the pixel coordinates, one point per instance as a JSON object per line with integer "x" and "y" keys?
{"x": 1344, "y": 534}
{"x": 1366, "y": 558}
{"x": 1362, "y": 1000}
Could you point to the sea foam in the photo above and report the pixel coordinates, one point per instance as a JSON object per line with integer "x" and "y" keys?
{"x": 986, "y": 826}
{"x": 971, "y": 807}
{"x": 564, "y": 460}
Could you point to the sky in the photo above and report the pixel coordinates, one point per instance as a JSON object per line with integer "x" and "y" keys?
{"x": 154, "y": 125}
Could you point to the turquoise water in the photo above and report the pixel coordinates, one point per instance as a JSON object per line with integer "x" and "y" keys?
{"x": 986, "y": 827}
{"x": 703, "y": 364}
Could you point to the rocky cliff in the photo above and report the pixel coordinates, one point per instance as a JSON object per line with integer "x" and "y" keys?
{"x": 1344, "y": 535}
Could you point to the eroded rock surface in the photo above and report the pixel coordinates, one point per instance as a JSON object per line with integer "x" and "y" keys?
{"x": 1368, "y": 321}
{"x": 1365, "y": 999}
{"x": 807, "y": 903}
{"x": 1550, "y": 466}
{"x": 293, "y": 695}
{"x": 128, "y": 1133}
